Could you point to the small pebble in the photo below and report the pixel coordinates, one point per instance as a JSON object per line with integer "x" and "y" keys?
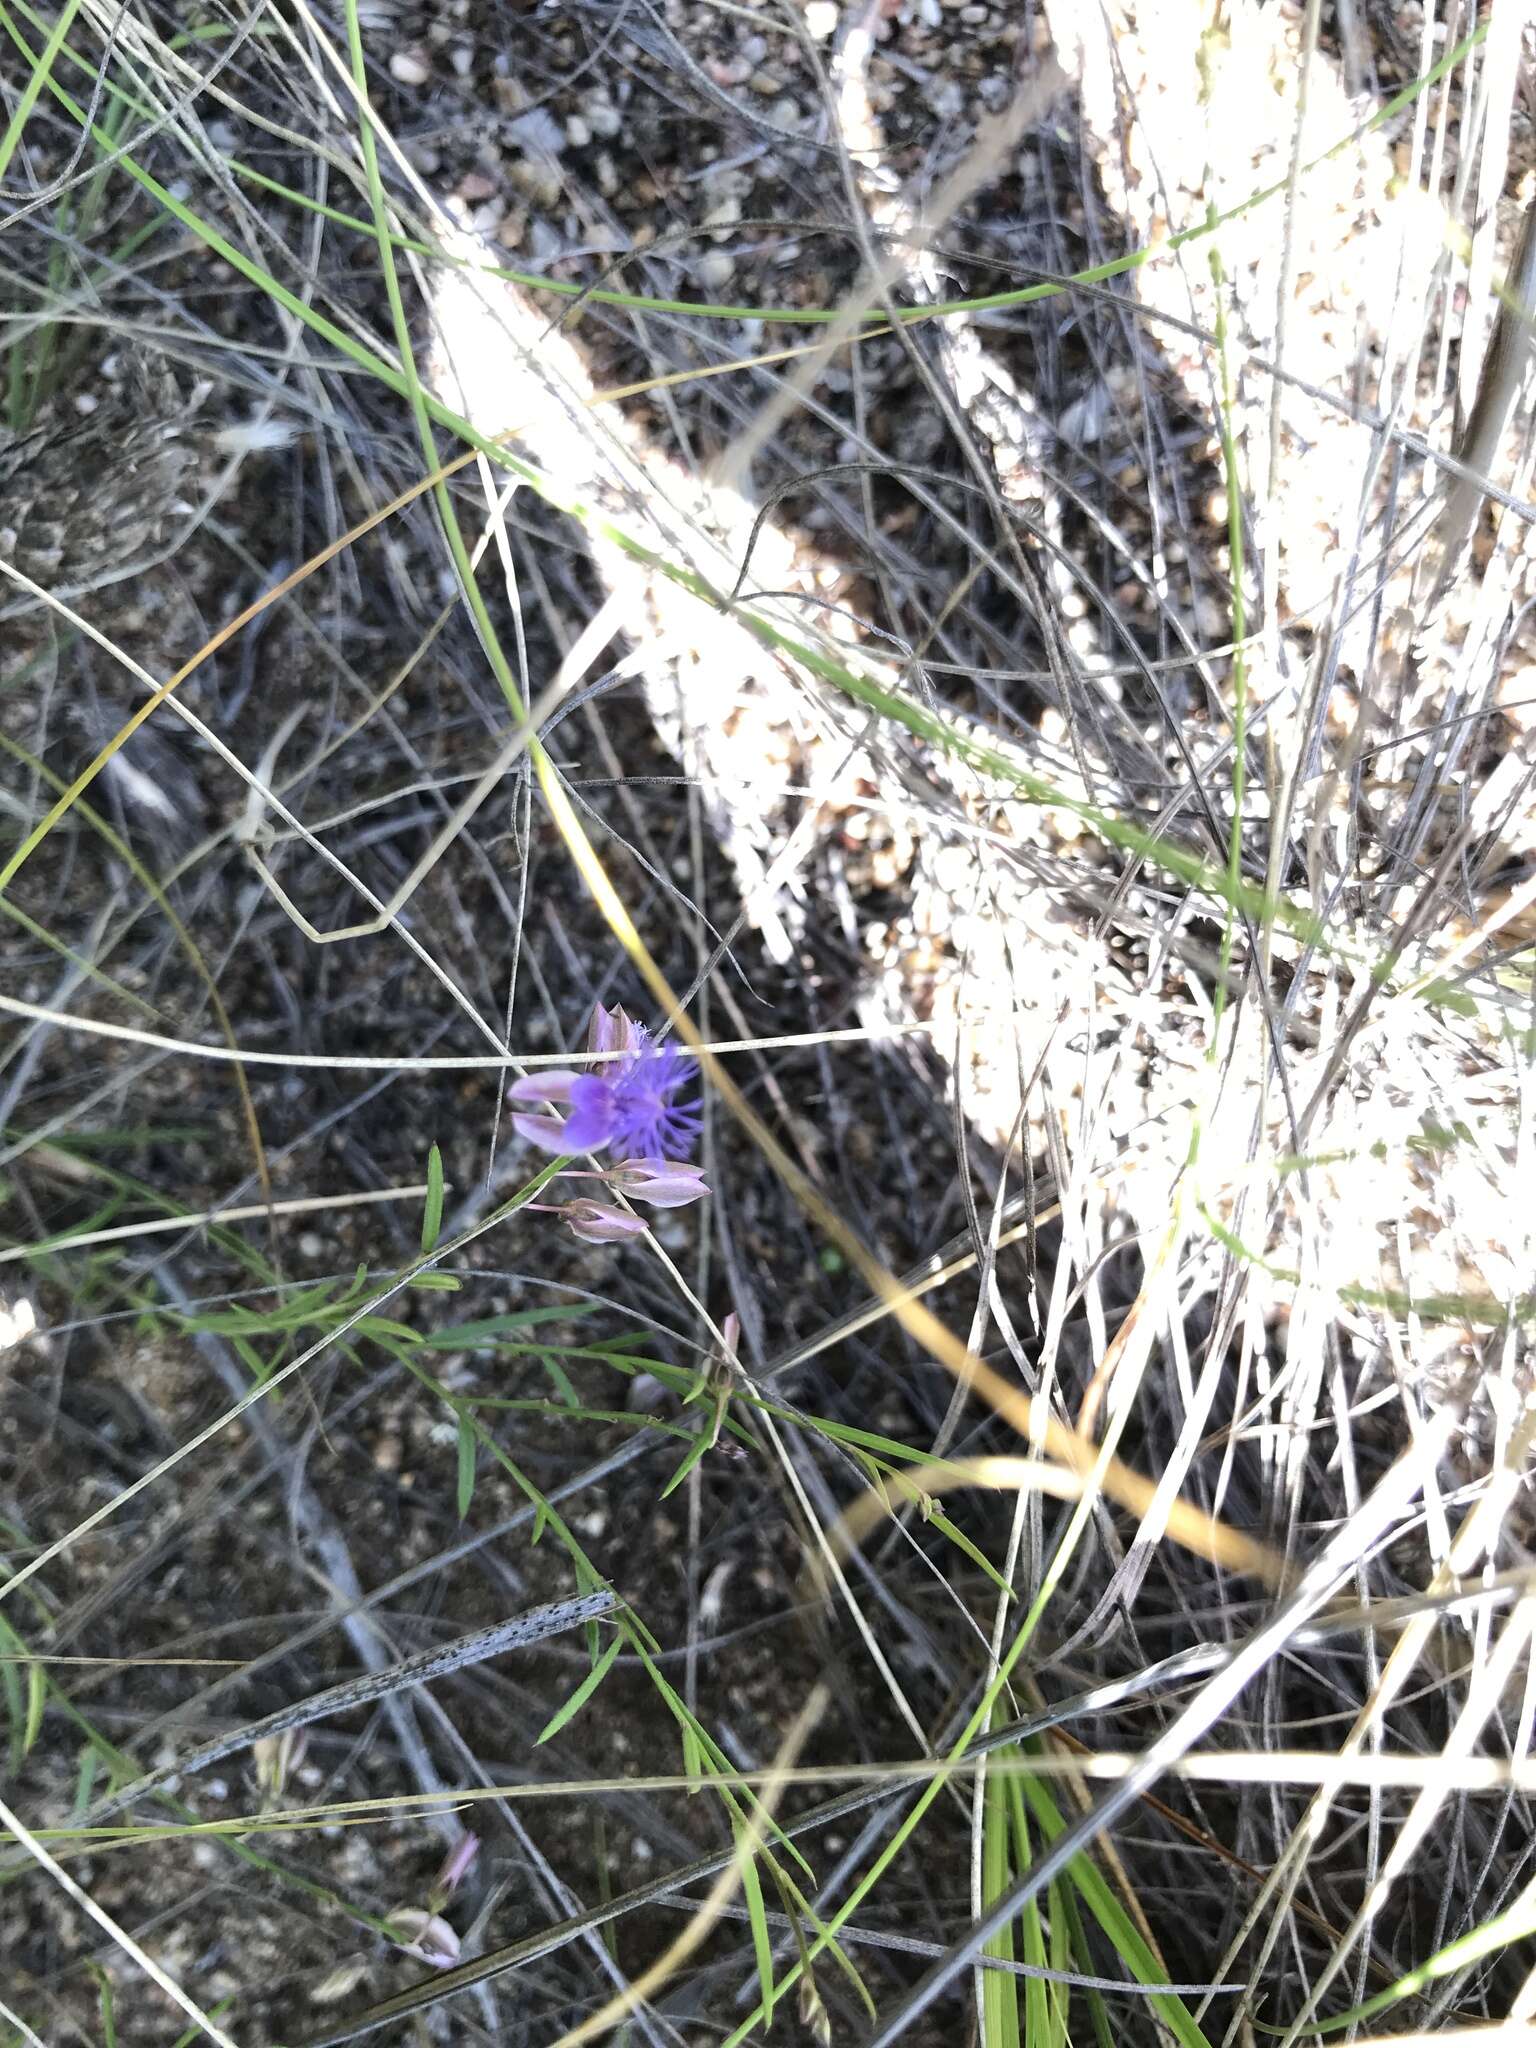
{"x": 538, "y": 178}
{"x": 821, "y": 19}
{"x": 410, "y": 67}
{"x": 716, "y": 268}
{"x": 723, "y": 216}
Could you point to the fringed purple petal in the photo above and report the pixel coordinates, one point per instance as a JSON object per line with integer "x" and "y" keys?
{"x": 648, "y": 1121}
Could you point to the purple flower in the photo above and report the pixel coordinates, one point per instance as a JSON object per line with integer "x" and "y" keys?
{"x": 629, "y": 1106}
{"x": 663, "y": 1183}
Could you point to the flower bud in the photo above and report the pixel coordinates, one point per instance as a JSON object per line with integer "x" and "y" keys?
{"x": 612, "y": 1031}
{"x": 460, "y": 1861}
{"x": 596, "y": 1223}
{"x": 814, "y": 2017}
{"x": 423, "y": 1935}
{"x": 663, "y": 1183}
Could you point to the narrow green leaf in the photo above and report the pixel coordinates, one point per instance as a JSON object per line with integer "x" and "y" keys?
{"x": 999, "y": 1993}
{"x": 380, "y": 1327}
{"x": 582, "y": 1694}
{"x": 85, "y": 1778}
{"x": 483, "y": 1334}
{"x": 255, "y": 1364}
{"x": 562, "y": 1379}
{"x": 1516, "y": 1923}
{"x": 690, "y": 1458}
{"x": 108, "y": 2007}
{"x": 215, "y": 2012}
{"x": 432, "y": 1215}
{"x": 1037, "y": 2006}
{"x": 693, "y": 1758}
{"x": 10, "y": 1682}
{"x": 1060, "y": 1959}
{"x": 1098, "y": 2011}
{"x": 940, "y": 1521}
{"x": 27, "y": 99}
{"x": 1116, "y": 1923}
{"x": 757, "y": 1913}
{"x": 37, "y": 1699}
{"x": 467, "y": 1447}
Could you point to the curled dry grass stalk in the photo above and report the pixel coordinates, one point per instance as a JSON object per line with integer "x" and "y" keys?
{"x": 1078, "y": 672}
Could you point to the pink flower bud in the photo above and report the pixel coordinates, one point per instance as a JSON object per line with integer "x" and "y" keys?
{"x": 423, "y": 1935}
{"x": 664, "y": 1183}
{"x": 460, "y": 1861}
{"x": 596, "y": 1223}
{"x": 612, "y": 1031}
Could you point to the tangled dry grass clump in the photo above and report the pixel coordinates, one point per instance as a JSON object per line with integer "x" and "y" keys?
{"x": 974, "y": 564}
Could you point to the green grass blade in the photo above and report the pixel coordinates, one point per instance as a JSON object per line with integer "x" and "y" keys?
{"x": 578, "y": 1699}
